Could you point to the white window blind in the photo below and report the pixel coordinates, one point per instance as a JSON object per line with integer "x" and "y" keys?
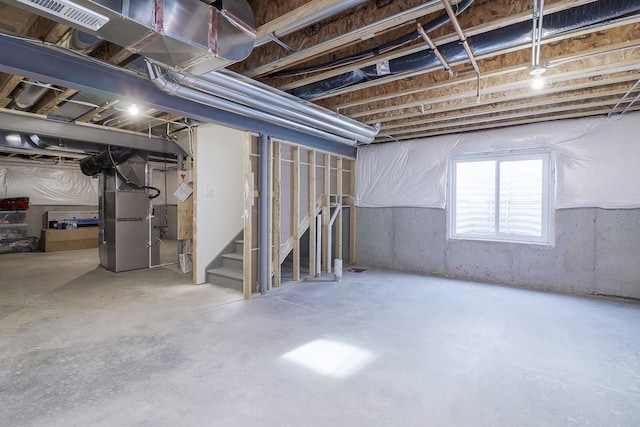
{"x": 475, "y": 197}
{"x": 502, "y": 196}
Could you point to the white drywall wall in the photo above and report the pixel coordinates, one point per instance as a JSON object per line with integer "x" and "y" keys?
{"x": 219, "y": 205}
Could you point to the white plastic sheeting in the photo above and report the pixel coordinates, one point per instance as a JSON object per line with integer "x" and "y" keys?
{"x": 48, "y": 185}
{"x": 597, "y": 163}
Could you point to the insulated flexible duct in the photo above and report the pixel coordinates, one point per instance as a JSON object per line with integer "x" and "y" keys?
{"x": 509, "y": 37}
{"x": 243, "y": 96}
{"x": 378, "y": 50}
{"x": 106, "y": 160}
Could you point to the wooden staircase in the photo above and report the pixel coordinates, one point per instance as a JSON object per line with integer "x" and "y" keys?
{"x": 230, "y": 275}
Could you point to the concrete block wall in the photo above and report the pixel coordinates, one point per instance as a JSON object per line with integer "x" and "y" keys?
{"x": 596, "y": 252}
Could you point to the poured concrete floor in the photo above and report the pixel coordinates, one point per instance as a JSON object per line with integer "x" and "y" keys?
{"x": 81, "y": 346}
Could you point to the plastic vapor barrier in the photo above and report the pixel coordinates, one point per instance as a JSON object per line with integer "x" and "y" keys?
{"x": 597, "y": 163}
{"x": 48, "y": 185}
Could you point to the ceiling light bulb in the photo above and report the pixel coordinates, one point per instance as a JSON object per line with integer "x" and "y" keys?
{"x": 134, "y": 110}
{"x": 537, "y": 83}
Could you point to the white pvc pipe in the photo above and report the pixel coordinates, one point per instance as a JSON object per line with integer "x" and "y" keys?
{"x": 318, "y": 245}
{"x": 337, "y": 267}
{"x": 329, "y": 254}
{"x": 148, "y": 171}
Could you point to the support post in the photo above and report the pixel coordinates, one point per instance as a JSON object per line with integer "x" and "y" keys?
{"x": 295, "y": 215}
{"x": 318, "y": 222}
{"x": 263, "y": 214}
{"x": 339, "y": 219}
{"x": 352, "y": 216}
{"x": 248, "y": 208}
{"x": 270, "y": 192}
{"x": 277, "y": 186}
{"x": 180, "y": 241}
{"x": 326, "y": 212}
{"x": 312, "y": 214}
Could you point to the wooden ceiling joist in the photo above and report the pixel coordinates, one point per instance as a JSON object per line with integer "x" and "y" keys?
{"x": 570, "y": 50}
{"x": 501, "y": 116}
{"x": 468, "y": 101}
{"x": 359, "y": 34}
{"x": 489, "y": 83}
{"x": 507, "y": 91}
{"x": 463, "y": 109}
{"x": 521, "y": 121}
{"x": 503, "y": 13}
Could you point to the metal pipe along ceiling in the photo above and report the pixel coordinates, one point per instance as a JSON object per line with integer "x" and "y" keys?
{"x": 288, "y": 114}
{"x": 162, "y": 80}
{"x": 243, "y": 89}
{"x": 243, "y": 96}
{"x": 31, "y": 94}
{"x": 461, "y": 36}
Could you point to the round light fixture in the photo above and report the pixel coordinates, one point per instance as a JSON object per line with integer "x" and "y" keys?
{"x": 134, "y": 110}
{"x": 538, "y": 70}
{"x": 537, "y": 83}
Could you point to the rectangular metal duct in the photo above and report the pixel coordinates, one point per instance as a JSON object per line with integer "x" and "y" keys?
{"x": 186, "y": 35}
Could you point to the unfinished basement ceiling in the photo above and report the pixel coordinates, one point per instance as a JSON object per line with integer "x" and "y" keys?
{"x": 371, "y": 61}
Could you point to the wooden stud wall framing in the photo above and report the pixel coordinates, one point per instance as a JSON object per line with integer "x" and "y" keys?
{"x": 270, "y": 273}
{"x": 185, "y": 209}
{"x": 338, "y": 223}
{"x": 277, "y": 181}
{"x": 312, "y": 213}
{"x": 194, "y": 196}
{"x": 321, "y": 189}
{"x": 326, "y": 212}
{"x": 295, "y": 218}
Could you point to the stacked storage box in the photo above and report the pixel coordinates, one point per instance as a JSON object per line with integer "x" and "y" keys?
{"x": 13, "y": 226}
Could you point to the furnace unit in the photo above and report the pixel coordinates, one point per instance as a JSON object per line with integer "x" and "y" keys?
{"x": 126, "y": 239}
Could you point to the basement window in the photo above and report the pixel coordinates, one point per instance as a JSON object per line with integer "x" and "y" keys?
{"x": 503, "y": 196}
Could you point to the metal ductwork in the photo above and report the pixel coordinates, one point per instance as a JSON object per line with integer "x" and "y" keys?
{"x": 185, "y": 35}
{"x": 82, "y": 42}
{"x": 32, "y": 92}
{"x": 234, "y": 93}
{"x": 57, "y": 135}
{"x": 36, "y": 144}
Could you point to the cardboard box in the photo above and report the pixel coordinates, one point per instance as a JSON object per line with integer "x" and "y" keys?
{"x": 69, "y": 240}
